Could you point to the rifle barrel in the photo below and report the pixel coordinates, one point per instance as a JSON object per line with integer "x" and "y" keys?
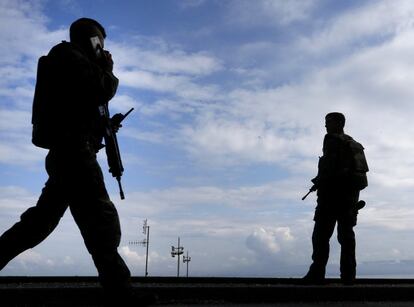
{"x": 127, "y": 113}
{"x": 121, "y": 191}
{"x": 303, "y": 198}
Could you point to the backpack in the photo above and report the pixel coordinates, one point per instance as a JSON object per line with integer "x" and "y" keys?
{"x": 45, "y": 119}
{"x": 359, "y": 165}
{"x": 54, "y": 102}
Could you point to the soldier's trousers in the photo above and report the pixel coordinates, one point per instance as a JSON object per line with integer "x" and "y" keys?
{"x": 75, "y": 181}
{"x": 324, "y": 227}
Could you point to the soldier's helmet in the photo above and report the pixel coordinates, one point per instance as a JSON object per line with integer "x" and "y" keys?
{"x": 83, "y": 29}
{"x": 337, "y": 117}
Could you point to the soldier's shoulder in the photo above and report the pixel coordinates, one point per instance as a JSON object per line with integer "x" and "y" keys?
{"x": 66, "y": 49}
{"x": 61, "y": 48}
{"x": 339, "y": 138}
{"x": 335, "y": 141}
{"x": 334, "y": 138}
{"x": 352, "y": 142}
{"x": 346, "y": 137}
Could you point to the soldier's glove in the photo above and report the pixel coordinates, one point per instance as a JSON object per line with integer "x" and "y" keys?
{"x": 116, "y": 121}
{"x": 106, "y": 61}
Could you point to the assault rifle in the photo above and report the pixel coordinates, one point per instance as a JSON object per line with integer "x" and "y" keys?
{"x": 111, "y": 143}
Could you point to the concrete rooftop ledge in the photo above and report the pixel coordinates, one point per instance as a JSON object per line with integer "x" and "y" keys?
{"x": 84, "y": 291}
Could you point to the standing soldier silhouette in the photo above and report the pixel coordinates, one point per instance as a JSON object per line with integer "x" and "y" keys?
{"x": 341, "y": 175}
{"x": 73, "y": 80}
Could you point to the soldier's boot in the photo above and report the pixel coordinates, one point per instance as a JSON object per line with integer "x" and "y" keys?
{"x": 348, "y": 271}
{"x": 346, "y": 238}
{"x": 315, "y": 275}
{"x": 4, "y": 261}
{"x": 8, "y": 250}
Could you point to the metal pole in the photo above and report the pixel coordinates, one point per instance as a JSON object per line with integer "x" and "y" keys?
{"x": 145, "y": 231}
{"x": 177, "y": 251}
{"x": 146, "y": 258}
{"x": 187, "y": 260}
{"x": 178, "y": 263}
{"x": 187, "y": 263}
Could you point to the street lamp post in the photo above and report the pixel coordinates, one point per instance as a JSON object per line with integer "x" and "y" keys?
{"x": 186, "y": 260}
{"x": 177, "y": 251}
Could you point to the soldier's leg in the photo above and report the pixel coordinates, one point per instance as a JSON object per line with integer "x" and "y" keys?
{"x": 346, "y": 238}
{"x": 99, "y": 226}
{"x": 98, "y": 221}
{"x": 37, "y": 222}
{"x": 322, "y": 232}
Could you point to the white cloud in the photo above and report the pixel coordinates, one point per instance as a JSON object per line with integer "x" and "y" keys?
{"x": 155, "y": 65}
{"x": 189, "y": 4}
{"x": 27, "y": 39}
{"x": 161, "y": 58}
{"x": 14, "y": 199}
{"x": 20, "y": 151}
{"x": 122, "y": 104}
{"x": 136, "y": 261}
{"x": 375, "y": 21}
{"x": 251, "y": 198}
{"x": 135, "y": 258}
{"x": 28, "y": 36}
{"x": 132, "y": 257}
{"x": 389, "y": 217}
{"x": 151, "y": 137}
{"x": 252, "y": 123}
{"x": 68, "y": 260}
{"x": 174, "y": 109}
{"x": 269, "y": 241}
{"x": 15, "y": 120}
{"x": 72, "y": 6}
{"x": 31, "y": 258}
{"x": 284, "y": 124}
{"x": 164, "y": 68}
{"x": 156, "y": 55}
{"x": 179, "y": 85}
{"x": 270, "y": 12}
{"x": 250, "y": 139}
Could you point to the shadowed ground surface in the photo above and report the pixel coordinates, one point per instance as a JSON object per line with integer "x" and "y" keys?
{"x": 85, "y": 291}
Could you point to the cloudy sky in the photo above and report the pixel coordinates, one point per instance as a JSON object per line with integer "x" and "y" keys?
{"x": 229, "y": 100}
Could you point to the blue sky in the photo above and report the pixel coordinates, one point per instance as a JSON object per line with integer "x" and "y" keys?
{"x": 229, "y": 100}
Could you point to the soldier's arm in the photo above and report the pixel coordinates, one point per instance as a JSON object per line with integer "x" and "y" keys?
{"x": 109, "y": 84}
{"x": 102, "y": 81}
{"x": 94, "y": 82}
{"x": 328, "y": 163}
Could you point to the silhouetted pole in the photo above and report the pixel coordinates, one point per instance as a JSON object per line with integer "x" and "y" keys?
{"x": 146, "y": 230}
{"x": 177, "y": 251}
{"x": 145, "y": 242}
{"x": 186, "y": 260}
